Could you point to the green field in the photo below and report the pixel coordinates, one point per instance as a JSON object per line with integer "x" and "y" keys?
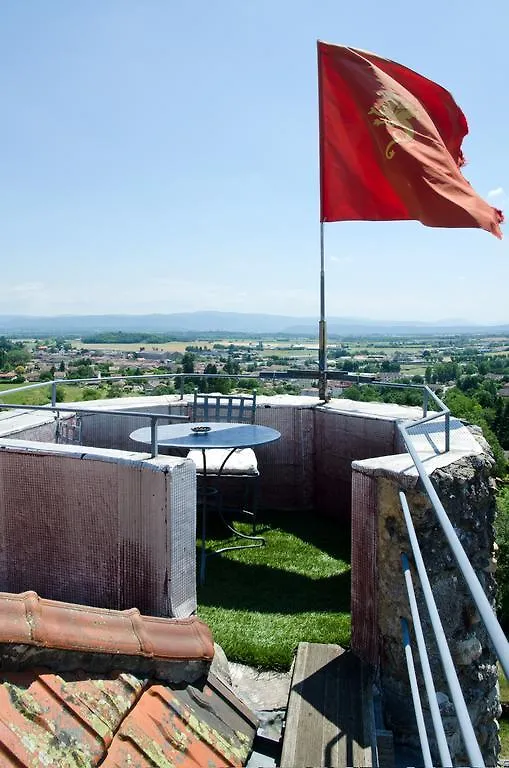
{"x": 412, "y": 370}
{"x": 39, "y": 396}
{"x": 170, "y": 346}
{"x": 68, "y": 393}
{"x": 270, "y": 347}
{"x": 309, "y": 346}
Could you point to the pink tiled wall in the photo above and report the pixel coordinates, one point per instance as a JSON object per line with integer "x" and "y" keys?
{"x": 364, "y": 567}
{"x": 102, "y": 530}
{"x": 339, "y": 439}
{"x": 308, "y": 468}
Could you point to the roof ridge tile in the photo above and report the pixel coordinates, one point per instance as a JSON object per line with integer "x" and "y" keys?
{"x": 140, "y": 629}
{"x": 30, "y": 621}
{"x": 32, "y": 612}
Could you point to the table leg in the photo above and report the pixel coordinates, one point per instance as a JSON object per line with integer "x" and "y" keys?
{"x": 258, "y": 541}
{"x": 203, "y": 553}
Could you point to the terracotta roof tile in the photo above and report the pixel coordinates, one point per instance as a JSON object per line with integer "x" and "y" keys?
{"x": 28, "y": 618}
{"x": 78, "y": 721}
{"x": 101, "y": 639}
{"x": 46, "y": 720}
{"x": 65, "y": 716}
{"x": 192, "y": 727}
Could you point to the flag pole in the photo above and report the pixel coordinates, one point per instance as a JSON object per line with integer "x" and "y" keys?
{"x": 322, "y": 327}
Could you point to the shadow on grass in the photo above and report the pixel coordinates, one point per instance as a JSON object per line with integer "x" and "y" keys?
{"x": 261, "y": 602}
{"x": 324, "y": 533}
{"x": 236, "y": 585}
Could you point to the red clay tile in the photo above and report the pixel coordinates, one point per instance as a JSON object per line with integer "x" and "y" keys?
{"x": 82, "y": 721}
{"x": 13, "y": 619}
{"x": 77, "y": 719}
{"x": 29, "y": 619}
{"x": 52, "y": 721}
{"x": 170, "y": 727}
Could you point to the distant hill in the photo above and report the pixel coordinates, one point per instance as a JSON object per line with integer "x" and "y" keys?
{"x": 229, "y": 323}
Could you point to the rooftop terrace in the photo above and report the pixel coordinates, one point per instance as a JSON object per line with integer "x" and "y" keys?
{"x": 89, "y": 520}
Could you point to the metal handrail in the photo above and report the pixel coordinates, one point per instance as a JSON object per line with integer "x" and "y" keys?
{"x": 436, "y": 718}
{"x": 465, "y": 724}
{"x": 416, "y": 697}
{"x": 154, "y": 417}
{"x": 493, "y": 628}
{"x": 426, "y": 391}
{"x": 486, "y": 612}
{"x": 96, "y": 411}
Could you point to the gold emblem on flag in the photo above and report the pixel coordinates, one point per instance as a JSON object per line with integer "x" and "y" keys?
{"x": 396, "y": 114}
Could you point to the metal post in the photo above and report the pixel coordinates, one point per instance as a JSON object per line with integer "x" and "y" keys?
{"x": 181, "y": 387}
{"x": 53, "y": 393}
{"x": 153, "y": 436}
{"x": 447, "y": 431}
{"x": 443, "y": 748}
{"x": 425, "y": 400}
{"x": 322, "y": 327}
{"x": 414, "y": 687}
{"x": 467, "y": 731}
{"x": 494, "y": 629}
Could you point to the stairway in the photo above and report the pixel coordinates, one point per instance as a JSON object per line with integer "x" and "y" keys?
{"x": 330, "y": 720}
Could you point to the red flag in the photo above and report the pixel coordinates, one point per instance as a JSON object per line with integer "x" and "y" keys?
{"x": 390, "y": 146}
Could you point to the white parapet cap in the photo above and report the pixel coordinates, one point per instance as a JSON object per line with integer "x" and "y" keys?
{"x": 429, "y": 443}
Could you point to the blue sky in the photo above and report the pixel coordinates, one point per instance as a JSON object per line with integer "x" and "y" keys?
{"x": 161, "y": 156}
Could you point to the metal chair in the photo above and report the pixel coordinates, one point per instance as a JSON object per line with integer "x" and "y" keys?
{"x": 227, "y": 464}
{"x": 217, "y": 407}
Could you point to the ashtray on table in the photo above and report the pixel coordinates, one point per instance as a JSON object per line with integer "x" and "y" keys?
{"x": 203, "y": 429}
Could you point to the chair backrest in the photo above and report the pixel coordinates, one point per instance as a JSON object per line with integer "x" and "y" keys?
{"x": 241, "y": 408}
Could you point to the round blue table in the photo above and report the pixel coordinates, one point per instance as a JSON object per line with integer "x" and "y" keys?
{"x": 220, "y": 435}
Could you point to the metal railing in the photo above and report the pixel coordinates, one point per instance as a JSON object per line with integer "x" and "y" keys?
{"x": 57, "y": 408}
{"x": 361, "y": 380}
{"x": 154, "y": 417}
{"x": 427, "y": 417}
{"x": 493, "y": 628}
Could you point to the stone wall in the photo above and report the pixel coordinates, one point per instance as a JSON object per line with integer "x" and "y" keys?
{"x": 467, "y": 493}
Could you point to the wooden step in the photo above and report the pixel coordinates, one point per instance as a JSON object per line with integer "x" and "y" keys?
{"x": 329, "y": 721}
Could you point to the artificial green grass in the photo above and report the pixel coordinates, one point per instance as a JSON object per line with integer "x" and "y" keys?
{"x": 260, "y": 603}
